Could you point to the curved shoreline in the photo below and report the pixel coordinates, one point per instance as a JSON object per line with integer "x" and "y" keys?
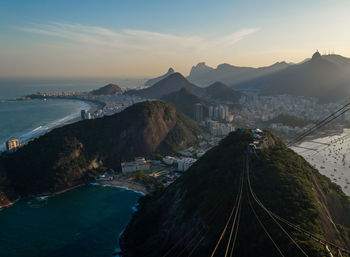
{"x": 127, "y": 185}
{"x": 92, "y": 106}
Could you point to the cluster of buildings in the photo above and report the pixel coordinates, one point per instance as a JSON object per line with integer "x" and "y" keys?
{"x": 171, "y": 167}
{"x": 180, "y": 164}
{"x": 259, "y": 138}
{"x": 219, "y": 119}
{"x": 263, "y": 108}
{"x": 12, "y": 145}
{"x": 85, "y": 115}
{"x": 220, "y": 113}
{"x": 112, "y": 103}
{"x": 220, "y": 129}
{"x": 108, "y": 175}
{"x": 139, "y": 163}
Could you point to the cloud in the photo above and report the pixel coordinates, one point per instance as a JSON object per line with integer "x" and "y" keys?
{"x": 235, "y": 37}
{"x": 135, "y": 39}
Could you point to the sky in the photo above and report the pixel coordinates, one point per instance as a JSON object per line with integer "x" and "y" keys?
{"x": 134, "y": 38}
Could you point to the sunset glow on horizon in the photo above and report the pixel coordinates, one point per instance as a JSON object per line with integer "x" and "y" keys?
{"x": 145, "y": 38}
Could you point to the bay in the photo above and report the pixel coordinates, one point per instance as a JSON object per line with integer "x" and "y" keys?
{"x": 85, "y": 221}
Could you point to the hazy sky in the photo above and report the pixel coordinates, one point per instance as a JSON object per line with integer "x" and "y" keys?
{"x": 64, "y": 38}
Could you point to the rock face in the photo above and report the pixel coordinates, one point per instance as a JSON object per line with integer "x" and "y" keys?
{"x": 170, "y": 84}
{"x": 188, "y": 216}
{"x": 153, "y": 81}
{"x": 197, "y": 72}
{"x": 324, "y": 77}
{"x": 64, "y": 156}
{"x": 109, "y": 89}
{"x": 204, "y": 75}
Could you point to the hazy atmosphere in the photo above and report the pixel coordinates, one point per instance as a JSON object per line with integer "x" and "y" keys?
{"x": 161, "y": 128}
{"x": 144, "y": 38}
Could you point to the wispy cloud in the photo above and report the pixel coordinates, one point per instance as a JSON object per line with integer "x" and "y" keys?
{"x": 135, "y": 39}
{"x": 237, "y": 36}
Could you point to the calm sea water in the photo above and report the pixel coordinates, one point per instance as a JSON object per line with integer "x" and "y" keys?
{"x": 24, "y": 119}
{"x": 86, "y": 221}
{"x": 83, "y": 222}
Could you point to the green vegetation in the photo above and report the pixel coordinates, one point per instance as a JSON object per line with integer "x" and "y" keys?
{"x": 75, "y": 154}
{"x": 203, "y": 197}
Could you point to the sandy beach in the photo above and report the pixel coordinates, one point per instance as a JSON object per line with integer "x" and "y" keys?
{"x": 331, "y": 156}
{"x": 92, "y": 106}
{"x": 126, "y": 184}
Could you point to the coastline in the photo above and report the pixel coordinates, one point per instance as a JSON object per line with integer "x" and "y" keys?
{"x": 125, "y": 184}
{"x": 117, "y": 183}
{"x": 91, "y": 105}
{"x": 2, "y": 207}
{"x": 40, "y": 195}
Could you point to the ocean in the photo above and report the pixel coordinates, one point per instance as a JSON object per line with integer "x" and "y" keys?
{"x": 25, "y": 119}
{"x": 85, "y": 221}
{"x": 330, "y": 155}
{"x": 82, "y": 222}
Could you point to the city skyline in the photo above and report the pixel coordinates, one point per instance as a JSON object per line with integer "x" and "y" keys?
{"x": 135, "y": 38}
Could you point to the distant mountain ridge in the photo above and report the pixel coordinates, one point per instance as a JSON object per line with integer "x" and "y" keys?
{"x": 324, "y": 77}
{"x": 171, "y": 83}
{"x": 153, "y": 81}
{"x": 176, "y": 82}
{"x": 203, "y": 75}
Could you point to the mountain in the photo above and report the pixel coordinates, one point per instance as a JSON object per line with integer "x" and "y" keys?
{"x": 172, "y": 83}
{"x": 153, "y": 81}
{"x": 184, "y": 100}
{"x": 188, "y": 217}
{"x": 341, "y": 61}
{"x": 198, "y": 71}
{"x": 220, "y": 91}
{"x": 109, "y": 89}
{"x": 65, "y": 156}
{"x": 204, "y": 75}
{"x": 324, "y": 77}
